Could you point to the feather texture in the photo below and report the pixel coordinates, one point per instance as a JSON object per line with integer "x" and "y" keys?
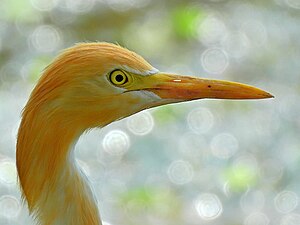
{"x": 69, "y": 98}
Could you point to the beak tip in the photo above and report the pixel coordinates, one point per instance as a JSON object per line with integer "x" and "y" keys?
{"x": 268, "y": 95}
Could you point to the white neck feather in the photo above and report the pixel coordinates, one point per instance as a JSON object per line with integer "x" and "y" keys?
{"x": 70, "y": 202}
{"x": 55, "y": 189}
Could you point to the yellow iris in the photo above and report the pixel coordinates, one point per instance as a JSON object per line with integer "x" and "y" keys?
{"x": 118, "y": 77}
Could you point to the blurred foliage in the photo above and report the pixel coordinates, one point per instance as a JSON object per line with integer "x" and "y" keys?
{"x": 167, "y": 114}
{"x": 240, "y": 178}
{"x": 185, "y": 20}
{"x": 153, "y": 199}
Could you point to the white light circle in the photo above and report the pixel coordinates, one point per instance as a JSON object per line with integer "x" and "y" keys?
{"x": 141, "y": 123}
{"x": 80, "y": 6}
{"x": 44, "y": 5}
{"x": 211, "y": 30}
{"x": 257, "y": 218}
{"x": 290, "y": 219}
{"x": 252, "y": 201}
{"x": 208, "y": 206}
{"x": 236, "y": 44}
{"x": 46, "y": 38}
{"x": 214, "y": 60}
{"x": 8, "y": 172}
{"x": 116, "y": 142}
{"x": 286, "y": 201}
{"x": 255, "y": 32}
{"x": 180, "y": 172}
{"x": 200, "y": 120}
{"x": 9, "y": 207}
{"x": 224, "y": 145}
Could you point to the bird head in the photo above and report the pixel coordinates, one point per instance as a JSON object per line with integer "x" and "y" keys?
{"x": 93, "y": 84}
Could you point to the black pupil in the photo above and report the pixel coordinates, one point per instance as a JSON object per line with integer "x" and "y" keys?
{"x": 119, "y": 78}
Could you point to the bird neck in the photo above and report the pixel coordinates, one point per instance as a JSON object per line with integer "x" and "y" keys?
{"x": 53, "y": 186}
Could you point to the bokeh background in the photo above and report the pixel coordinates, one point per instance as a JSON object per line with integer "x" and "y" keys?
{"x": 205, "y": 162}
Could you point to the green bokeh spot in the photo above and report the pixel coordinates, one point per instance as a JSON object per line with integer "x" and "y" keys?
{"x": 20, "y": 9}
{"x": 185, "y": 20}
{"x": 141, "y": 196}
{"x": 167, "y": 114}
{"x": 151, "y": 198}
{"x": 240, "y": 177}
{"x": 36, "y": 68}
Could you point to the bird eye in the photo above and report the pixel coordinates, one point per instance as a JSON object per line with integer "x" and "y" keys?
{"x": 118, "y": 77}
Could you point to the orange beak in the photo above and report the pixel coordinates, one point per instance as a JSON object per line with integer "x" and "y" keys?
{"x": 184, "y": 88}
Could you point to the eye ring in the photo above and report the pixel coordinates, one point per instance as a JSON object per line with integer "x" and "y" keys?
{"x": 118, "y": 77}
